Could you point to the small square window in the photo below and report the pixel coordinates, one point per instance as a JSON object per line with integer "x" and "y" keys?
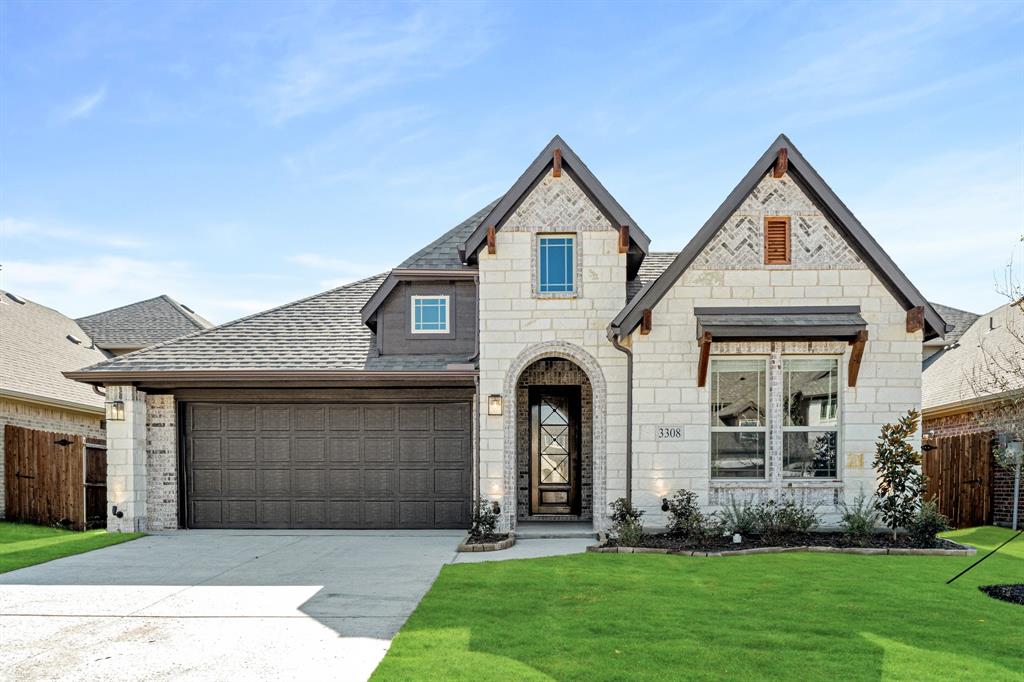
{"x": 430, "y": 314}
{"x": 556, "y": 262}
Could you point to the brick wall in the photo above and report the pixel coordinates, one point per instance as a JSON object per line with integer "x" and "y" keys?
{"x": 161, "y": 462}
{"x": 43, "y": 418}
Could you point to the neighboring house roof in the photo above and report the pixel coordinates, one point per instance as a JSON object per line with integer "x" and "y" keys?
{"x": 35, "y": 348}
{"x": 988, "y": 361}
{"x": 320, "y": 336}
{"x": 838, "y": 214}
{"x": 142, "y": 324}
{"x": 579, "y": 172}
{"x": 958, "y": 319}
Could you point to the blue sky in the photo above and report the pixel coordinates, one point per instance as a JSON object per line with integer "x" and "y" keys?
{"x": 241, "y": 155}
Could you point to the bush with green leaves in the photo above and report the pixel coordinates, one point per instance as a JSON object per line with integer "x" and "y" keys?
{"x": 925, "y": 526}
{"x": 898, "y": 467}
{"x": 484, "y": 524}
{"x": 738, "y": 516}
{"x": 627, "y": 525}
{"x": 686, "y": 519}
{"x": 773, "y": 521}
{"x": 860, "y": 519}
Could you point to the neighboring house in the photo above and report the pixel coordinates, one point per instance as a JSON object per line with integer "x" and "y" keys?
{"x": 973, "y": 387}
{"x": 38, "y": 343}
{"x": 138, "y": 325}
{"x": 540, "y": 355}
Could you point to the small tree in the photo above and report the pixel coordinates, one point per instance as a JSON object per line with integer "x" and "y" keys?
{"x": 900, "y": 482}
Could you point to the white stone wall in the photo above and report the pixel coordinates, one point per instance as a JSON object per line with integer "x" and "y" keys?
{"x": 666, "y": 392}
{"x": 161, "y": 463}
{"x": 43, "y": 418}
{"x": 126, "y": 461}
{"x": 514, "y": 320}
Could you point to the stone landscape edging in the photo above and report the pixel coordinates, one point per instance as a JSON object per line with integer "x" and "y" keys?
{"x": 895, "y": 551}
{"x": 467, "y": 546}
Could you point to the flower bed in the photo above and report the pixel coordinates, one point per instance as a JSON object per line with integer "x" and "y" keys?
{"x": 1011, "y": 593}
{"x": 489, "y": 543}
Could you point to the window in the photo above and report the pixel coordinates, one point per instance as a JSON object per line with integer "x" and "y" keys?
{"x": 738, "y": 423}
{"x": 776, "y": 240}
{"x": 810, "y": 423}
{"x": 556, "y": 263}
{"x": 430, "y": 314}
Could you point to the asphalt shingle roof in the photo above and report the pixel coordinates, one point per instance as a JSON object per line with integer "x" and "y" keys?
{"x": 142, "y": 324}
{"x": 960, "y": 319}
{"x": 35, "y": 349}
{"x": 322, "y": 332}
{"x": 654, "y": 264}
{"x": 443, "y": 252}
{"x": 987, "y": 361}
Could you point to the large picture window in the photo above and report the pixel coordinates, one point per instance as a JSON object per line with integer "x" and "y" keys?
{"x": 430, "y": 314}
{"x": 738, "y": 418}
{"x": 556, "y": 262}
{"x": 810, "y": 417}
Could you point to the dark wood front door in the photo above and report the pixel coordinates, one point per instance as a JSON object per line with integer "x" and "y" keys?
{"x": 554, "y": 449}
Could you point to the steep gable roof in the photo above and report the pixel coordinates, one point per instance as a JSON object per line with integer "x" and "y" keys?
{"x": 835, "y": 211}
{"x": 35, "y": 347}
{"x": 534, "y": 173}
{"x": 957, "y": 322}
{"x": 142, "y": 324}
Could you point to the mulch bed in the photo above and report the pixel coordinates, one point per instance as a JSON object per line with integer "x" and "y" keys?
{"x": 1011, "y": 593}
{"x": 486, "y": 539}
{"x": 675, "y": 542}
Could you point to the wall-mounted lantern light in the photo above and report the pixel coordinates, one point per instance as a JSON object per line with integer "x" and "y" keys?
{"x": 494, "y": 405}
{"x": 115, "y": 512}
{"x": 664, "y": 505}
{"x": 115, "y": 411}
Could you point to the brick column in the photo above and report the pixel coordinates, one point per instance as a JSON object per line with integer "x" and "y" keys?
{"x": 126, "y": 461}
{"x": 161, "y": 463}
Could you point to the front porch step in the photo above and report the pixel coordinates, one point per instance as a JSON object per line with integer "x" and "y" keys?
{"x": 536, "y": 530}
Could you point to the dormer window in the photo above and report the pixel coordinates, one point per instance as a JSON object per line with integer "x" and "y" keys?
{"x": 556, "y": 263}
{"x": 430, "y": 314}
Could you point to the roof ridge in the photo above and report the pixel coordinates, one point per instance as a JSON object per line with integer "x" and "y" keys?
{"x": 959, "y": 310}
{"x": 120, "y": 307}
{"x": 232, "y": 323}
{"x": 184, "y": 312}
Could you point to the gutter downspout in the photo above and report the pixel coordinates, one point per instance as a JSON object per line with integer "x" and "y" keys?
{"x": 613, "y": 336}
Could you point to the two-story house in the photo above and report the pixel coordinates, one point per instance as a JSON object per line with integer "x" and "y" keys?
{"x": 540, "y": 355}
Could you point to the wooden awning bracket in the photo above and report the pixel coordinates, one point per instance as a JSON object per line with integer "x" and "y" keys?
{"x": 705, "y": 359}
{"x": 856, "y": 355}
{"x": 556, "y": 166}
{"x": 781, "y": 163}
{"x": 646, "y": 322}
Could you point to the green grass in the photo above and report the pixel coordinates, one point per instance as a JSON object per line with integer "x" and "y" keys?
{"x": 791, "y": 616}
{"x": 24, "y": 545}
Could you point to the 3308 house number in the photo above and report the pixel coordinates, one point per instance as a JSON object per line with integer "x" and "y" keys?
{"x": 669, "y": 433}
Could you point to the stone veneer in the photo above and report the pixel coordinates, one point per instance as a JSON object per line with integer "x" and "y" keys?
{"x": 126, "y": 462}
{"x": 554, "y": 372}
{"x": 44, "y": 418}
{"x": 161, "y": 462}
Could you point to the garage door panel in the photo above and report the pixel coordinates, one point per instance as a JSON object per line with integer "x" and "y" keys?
{"x": 328, "y": 465}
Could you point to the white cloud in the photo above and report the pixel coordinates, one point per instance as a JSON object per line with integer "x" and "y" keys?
{"x": 84, "y": 105}
{"x": 35, "y": 231}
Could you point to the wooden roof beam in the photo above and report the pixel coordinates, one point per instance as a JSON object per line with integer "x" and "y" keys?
{"x": 781, "y": 163}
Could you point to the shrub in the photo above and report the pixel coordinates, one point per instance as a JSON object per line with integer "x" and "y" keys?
{"x": 626, "y": 523}
{"x": 773, "y": 521}
{"x": 926, "y": 524}
{"x": 900, "y": 482}
{"x": 860, "y": 519}
{"x": 738, "y": 516}
{"x": 484, "y": 523}
{"x": 687, "y": 520}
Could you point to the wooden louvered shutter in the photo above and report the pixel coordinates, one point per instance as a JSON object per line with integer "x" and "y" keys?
{"x": 776, "y": 240}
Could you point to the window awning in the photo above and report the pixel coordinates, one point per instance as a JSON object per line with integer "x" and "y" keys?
{"x": 842, "y": 323}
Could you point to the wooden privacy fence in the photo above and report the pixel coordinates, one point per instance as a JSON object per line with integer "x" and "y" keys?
{"x": 959, "y": 471}
{"x": 46, "y": 478}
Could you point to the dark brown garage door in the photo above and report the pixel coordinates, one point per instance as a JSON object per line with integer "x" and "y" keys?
{"x": 327, "y": 465}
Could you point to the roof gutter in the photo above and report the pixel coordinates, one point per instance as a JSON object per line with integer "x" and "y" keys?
{"x": 613, "y": 336}
{"x": 191, "y": 376}
{"x": 52, "y": 402}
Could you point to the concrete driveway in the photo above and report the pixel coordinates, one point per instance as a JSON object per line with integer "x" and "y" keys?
{"x": 218, "y": 605}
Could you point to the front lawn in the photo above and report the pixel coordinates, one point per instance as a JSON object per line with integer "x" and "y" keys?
{"x": 789, "y": 616}
{"x": 24, "y": 545}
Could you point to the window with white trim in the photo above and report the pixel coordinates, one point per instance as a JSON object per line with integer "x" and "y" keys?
{"x": 810, "y": 417}
{"x": 556, "y": 264}
{"x": 739, "y": 425}
{"x": 430, "y": 314}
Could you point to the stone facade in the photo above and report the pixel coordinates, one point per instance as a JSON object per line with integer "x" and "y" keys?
{"x": 666, "y": 360}
{"x": 44, "y": 418}
{"x": 518, "y": 327}
{"x": 554, "y": 372}
{"x": 161, "y": 462}
{"x": 126, "y": 461}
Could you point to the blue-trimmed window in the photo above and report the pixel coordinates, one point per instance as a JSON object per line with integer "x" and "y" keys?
{"x": 430, "y": 314}
{"x": 557, "y": 263}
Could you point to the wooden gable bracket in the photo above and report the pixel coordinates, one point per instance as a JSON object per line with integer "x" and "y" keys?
{"x": 647, "y": 322}
{"x": 781, "y": 163}
{"x": 492, "y": 243}
{"x": 556, "y": 167}
{"x": 915, "y": 319}
{"x": 623, "y": 238}
{"x": 856, "y": 355}
{"x": 705, "y": 359}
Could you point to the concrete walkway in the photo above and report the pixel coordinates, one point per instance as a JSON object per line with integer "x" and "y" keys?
{"x": 529, "y": 549}
{"x": 218, "y": 605}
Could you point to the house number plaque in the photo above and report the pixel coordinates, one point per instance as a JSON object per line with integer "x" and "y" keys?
{"x": 669, "y": 433}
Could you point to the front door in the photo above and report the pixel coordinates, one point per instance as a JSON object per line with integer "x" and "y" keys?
{"x": 554, "y": 450}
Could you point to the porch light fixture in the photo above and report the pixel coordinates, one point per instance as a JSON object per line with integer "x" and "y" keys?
{"x": 494, "y": 405}
{"x": 664, "y": 504}
{"x": 115, "y": 411}
{"x": 115, "y": 512}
